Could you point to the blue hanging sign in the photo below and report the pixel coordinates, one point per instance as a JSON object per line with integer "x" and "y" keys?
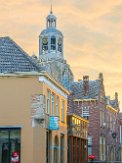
{"x": 53, "y": 123}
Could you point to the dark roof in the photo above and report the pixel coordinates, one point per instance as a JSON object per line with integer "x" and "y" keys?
{"x": 120, "y": 115}
{"x": 13, "y": 58}
{"x": 113, "y": 103}
{"x": 78, "y": 90}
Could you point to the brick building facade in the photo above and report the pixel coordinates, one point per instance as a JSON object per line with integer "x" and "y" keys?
{"x": 88, "y": 100}
{"x": 77, "y": 139}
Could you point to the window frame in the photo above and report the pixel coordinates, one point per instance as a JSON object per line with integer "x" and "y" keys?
{"x": 63, "y": 111}
{"x": 48, "y": 101}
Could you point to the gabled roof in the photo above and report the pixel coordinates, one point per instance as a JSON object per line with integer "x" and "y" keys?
{"x": 13, "y": 58}
{"x": 78, "y": 90}
{"x": 113, "y": 103}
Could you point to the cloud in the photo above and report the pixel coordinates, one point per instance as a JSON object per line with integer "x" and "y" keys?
{"x": 91, "y": 28}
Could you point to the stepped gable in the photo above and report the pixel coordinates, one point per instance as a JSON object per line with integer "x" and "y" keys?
{"x": 93, "y": 92}
{"x": 13, "y": 58}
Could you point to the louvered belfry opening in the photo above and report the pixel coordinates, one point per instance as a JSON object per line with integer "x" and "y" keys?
{"x": 86, "y": 85}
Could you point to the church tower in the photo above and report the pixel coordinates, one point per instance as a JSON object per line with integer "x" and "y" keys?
{"x": 51, "y": 53}
{"x": 51, "y": 40}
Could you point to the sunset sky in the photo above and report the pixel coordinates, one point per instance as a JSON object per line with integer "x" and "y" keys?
{"x": 92, "y": 32}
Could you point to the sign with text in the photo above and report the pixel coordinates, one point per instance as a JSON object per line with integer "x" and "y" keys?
{"x": 53, "y": 123}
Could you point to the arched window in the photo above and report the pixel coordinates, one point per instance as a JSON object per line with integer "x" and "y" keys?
{"x": 53, "y": 43}
{"x": 48, "y": 23}
{"x": 60, "y": 44}
{"x": 44, "y": 44}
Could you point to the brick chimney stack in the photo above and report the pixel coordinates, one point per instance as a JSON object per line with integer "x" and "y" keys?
{"x": 101, "y": 77}
{"x": 86, "y": 85}
{"x": 116, "y": 99}
{"x": 116, "y": 96}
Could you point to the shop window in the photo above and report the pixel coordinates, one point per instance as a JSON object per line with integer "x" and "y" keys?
{"x": 10, "y": 145}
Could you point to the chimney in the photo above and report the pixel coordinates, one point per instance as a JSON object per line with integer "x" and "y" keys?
{"x": 116, "y": 96}
{"x": 116, "y": 99}
{"x": 86, "y": 85}
{"x": 101, "y": 76}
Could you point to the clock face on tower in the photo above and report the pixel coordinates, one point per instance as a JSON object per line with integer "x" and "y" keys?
{"x": 60, "y": 41}
{"x": 45, "y": 40}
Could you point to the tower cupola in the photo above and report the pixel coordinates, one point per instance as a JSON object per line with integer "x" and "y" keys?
{"x": 51, "y": 40}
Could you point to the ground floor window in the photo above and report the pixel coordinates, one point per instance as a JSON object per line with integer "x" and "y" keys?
{"x": 10, "y": 145}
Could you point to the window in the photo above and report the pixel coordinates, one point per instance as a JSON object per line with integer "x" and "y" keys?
{"x": 60, "y": 44}
{"x": 62, "y": 148}
{"x": 10, "y": 145}
{"x": 102, "y": 118}
{"x": 41, "y": 101}
{"x": 85, "y": 112}
{"x": 111, "y": 126}
{"x": 44, "y": 44}
{"x": 42, "y": 106}
{"x": 63, "y": 111}
{"x": 89, "y": 150}
{"x": 53, "y": 106}
{"x": 48, "y": 101}
{"x": 102, "y": 148}
{"x": 60, "y": 48}
{"x": 89, "y": 140}
{"x": 120, "y": 134}
{"x": 53, "y": 43}
{"x": 57, "y": 106}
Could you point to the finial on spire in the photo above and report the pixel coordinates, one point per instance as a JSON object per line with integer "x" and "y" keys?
{"x": 51, "y": 6}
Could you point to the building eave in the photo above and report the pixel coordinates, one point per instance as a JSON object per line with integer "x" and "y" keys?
{"x": 78, "y": 117}
{"x": 19, "y": 74}
{"x": 84, "y": 100}
{"x": 109, "y": 107}
{"x": 52, "y": 80}
{"x": 32, "y": 74}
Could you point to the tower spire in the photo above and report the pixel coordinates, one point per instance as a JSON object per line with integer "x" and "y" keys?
{"x": 51, "y": 6}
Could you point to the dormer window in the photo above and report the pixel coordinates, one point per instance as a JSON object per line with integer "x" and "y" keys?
{"x": 53, "y": 43}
